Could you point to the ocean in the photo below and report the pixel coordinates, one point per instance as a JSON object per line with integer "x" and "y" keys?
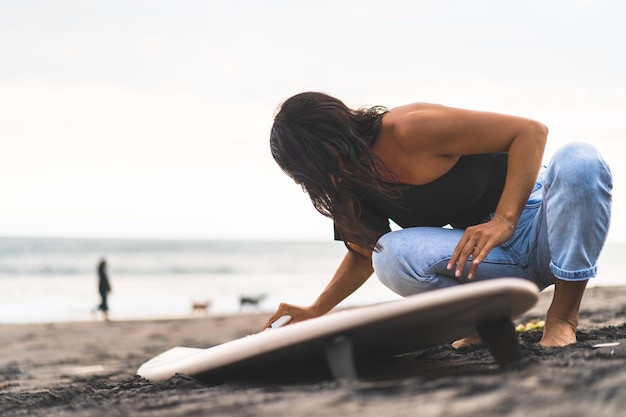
{"x": 54, "y": 279}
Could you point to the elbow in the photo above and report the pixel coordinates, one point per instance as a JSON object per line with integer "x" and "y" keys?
{"x": 539, "y": 133}
{"x": 543, "y": 129}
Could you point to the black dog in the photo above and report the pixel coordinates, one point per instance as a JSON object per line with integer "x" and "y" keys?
{"x": 250, "y": 301}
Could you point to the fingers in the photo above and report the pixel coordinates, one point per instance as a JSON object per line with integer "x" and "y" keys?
{"x": 296, "y": 313}
{"x": 477, "y": 257}
{"x": 475, "y": 244}
{"x": 283, "y": 310}
{"x": 463, "y": 253}
{"x": 464, "y": 249}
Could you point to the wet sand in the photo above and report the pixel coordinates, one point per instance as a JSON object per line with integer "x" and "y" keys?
{"x": 88, "y": 369}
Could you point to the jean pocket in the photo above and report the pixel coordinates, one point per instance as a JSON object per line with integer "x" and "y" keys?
{"x": 525, "y": 223}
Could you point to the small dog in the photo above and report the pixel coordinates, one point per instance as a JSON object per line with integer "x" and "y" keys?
{"x": 200, "y": 307}
{"x": 251, "y": 302}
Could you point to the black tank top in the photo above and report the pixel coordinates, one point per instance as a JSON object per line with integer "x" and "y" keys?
{"x": 464, "y": 196}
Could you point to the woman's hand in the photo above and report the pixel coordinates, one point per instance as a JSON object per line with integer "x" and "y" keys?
{"x": 477, "y": 242}
{"x": 353, "y": 271}
{"x": 297, "y": 313}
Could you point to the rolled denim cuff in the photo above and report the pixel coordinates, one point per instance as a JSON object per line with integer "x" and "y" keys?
{"x": 573, "y": 275}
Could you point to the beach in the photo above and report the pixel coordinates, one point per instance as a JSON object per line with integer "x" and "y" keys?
{"x": 88, "y": 369}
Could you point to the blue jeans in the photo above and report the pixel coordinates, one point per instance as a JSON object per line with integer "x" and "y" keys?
{"x": 559, "y": 234}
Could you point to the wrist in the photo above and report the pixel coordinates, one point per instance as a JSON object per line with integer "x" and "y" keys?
{"x": 510, "y": 224}
{"x": 319, "y": 308}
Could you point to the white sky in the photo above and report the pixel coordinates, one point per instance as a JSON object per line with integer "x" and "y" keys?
{"x": 126, "y": 118}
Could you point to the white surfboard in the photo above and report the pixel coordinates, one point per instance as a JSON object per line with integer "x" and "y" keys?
{"x": 379, "y": 330}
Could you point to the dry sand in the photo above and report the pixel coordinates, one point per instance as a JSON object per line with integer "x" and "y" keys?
{"x": 87, "y": 369}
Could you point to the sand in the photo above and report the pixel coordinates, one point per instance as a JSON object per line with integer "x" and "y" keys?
{"x": 88, "y": 369}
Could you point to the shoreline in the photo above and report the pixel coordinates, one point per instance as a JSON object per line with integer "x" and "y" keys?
{"x": 545, "y": 297}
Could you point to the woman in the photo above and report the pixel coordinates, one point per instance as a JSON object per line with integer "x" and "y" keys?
{"x": 426, "y": 166}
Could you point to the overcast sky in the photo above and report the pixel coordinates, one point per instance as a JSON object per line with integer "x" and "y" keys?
{"x": 128, "y": 118}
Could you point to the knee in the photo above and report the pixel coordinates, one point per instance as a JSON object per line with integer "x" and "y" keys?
{"x": 398, "y": 268}
{"x": 385, "y": 260}
{"x": 580, "y": 166}
{"x": 390, "y": 272}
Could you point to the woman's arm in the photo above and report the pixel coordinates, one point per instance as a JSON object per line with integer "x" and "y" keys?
{"x": 353, "y": 271}
{"x": 429, "y": 132}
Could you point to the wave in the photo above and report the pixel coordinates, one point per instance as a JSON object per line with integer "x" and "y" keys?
{"x": 55, "y": 256}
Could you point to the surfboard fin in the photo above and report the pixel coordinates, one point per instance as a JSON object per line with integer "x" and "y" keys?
{"x": 340, "y": 358}
{"x": 501, "y": 340}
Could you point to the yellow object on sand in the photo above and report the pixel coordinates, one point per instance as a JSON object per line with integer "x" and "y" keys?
{"x": 536, "y": 324}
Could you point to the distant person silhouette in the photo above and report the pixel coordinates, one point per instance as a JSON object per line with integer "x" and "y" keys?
{"x": 104, "y": 288}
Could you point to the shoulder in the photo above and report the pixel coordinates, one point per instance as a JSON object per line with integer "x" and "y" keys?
{"x": 415, "y": 123}
{"x": 414, "y": 111}
{"x": 424, "y": 116}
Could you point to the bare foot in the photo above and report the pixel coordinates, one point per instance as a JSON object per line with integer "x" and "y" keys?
{"x": 562, "y": 317}
{"x": 558, "y": 333}
{"x": 466, "y": 341}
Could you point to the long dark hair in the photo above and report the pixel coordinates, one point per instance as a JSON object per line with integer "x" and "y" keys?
{"x": 326, "y": 148}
